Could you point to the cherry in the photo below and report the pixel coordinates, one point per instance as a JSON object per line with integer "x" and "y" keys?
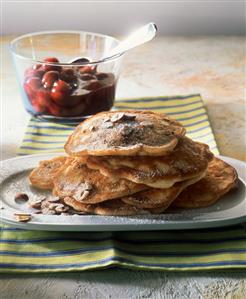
{"x": 29, "y": 91}
{"x": 34, "y": 83}
{"x": 54, "y": 109}
{"x": 60, "y": 90}
{"x": 68, "y": 75}
{"x": 87, "y": 69}
{"x": 49, "y": 78}
{"x": 36, "y": 66}
{"x": 73, "y": 111}
{"x": 101, "y": 76}
{"x": 62, "y": 86}
{"x": 47, "y": 67}
{"x": 57, "y": 96}
{"x": 51, "y": 59}
{"x": 33, "y": 73}
{"x": 38, "y": 107}
{"x": 93, "y": 85}
{"x": 43, "y": 97}
{"x": 86, "y": 77}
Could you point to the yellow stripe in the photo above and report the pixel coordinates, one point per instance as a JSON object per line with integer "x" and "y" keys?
{"x": 182, "y": 260}
{"x": 46, "y": 138}
{"x": 160, "y": 102}
{"x": 143, "y": 248}
{"x": 42, "y": 145}
{"x": 30, "y": 152}
{"x": 73, "y": 259}
{"x": 178, "y": 116}
{"x": 99, "y": 255}
{"x": 163, "y": 108}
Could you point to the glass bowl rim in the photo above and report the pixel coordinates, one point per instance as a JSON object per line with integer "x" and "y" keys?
{"x": 14, "y": 41}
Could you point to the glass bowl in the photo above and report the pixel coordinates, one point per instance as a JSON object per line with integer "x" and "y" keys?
{"x": 53, "y": 87}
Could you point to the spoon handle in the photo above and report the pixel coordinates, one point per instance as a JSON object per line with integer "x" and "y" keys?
{"x": 137, "y": 38}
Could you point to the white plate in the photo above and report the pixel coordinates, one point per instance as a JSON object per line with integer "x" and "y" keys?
{"x": 14, "y": 178}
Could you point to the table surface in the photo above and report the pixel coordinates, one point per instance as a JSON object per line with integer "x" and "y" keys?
{"x": 215, "y": 67}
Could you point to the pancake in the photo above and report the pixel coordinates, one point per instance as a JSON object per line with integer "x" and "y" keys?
{"x": 189, "y": 159}
{"x": 158, "y": 199}
{"x": 42, "y": 176}
{"x": 79, "y": 206}
{"x": 114, "y": 207}
{"x": 219, "y": 179}
{"x": 89, "y": 186}
{"x": 127, "y": 133}
{"x": 118, "y": 208}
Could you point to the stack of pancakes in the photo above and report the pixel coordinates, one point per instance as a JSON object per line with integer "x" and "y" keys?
{"x": 134, "y": 162}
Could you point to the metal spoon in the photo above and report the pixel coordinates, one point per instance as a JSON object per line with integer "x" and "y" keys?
{"x": 137, "y": 38}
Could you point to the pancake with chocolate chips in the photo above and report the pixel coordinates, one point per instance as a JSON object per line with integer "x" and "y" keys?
{"x": 125, "y": 133}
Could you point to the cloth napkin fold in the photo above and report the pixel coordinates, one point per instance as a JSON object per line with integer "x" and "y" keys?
{"x": 182, "y": 250}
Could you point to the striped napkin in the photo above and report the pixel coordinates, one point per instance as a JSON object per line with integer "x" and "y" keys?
{"x": 42, "y": 136}
{"x": 41, "y": 251}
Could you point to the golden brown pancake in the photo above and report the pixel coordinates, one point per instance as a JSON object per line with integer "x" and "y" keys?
{"x": 117, "y": 207}
{"x": 79, "y": 206}
{"x": 114, "y": 207}
{"x": 127, "y": 133}
{"x": 158, "y": 198}
{"x": 89, "y": 186}
{"x": 219, "y": 179}
{"x": 189, "y": 159}
{"x": 42, "y": 176}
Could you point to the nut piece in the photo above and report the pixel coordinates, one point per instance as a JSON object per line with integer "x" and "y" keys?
{"x": 53, "y": 199}
{"x": 47, "y": 211}
{"x": 87, "y": 186}
{"x": 61, "y": 208}
{"x": 74, "y": 212}
{"x": 108, "y": 125}
{"x": 117, "y": 117}
{"x": 122, "y": 116}
{"x": 85, "y": 194}
{"x": 22, "y": 214}
{"x": 92, "y": 129}
{"x": 83, "y": 191}
{"x": 21, "y": 197}
{"x": 22, "y": 217}
{"x": 52, "y": 206}
{"x": 35, "y": 204}
{"x": 106, "y": 119}
{"x": 146, "y": 123}
{"x": 65, "y": 214}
